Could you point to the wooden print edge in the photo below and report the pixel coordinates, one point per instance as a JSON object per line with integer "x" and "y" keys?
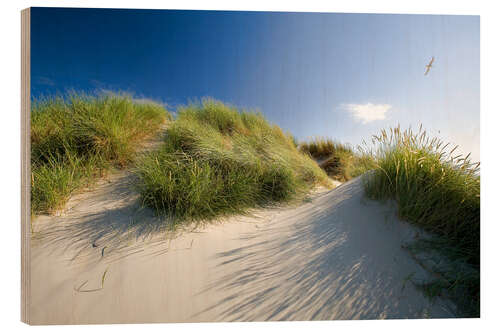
{"x": 25, "y": 164}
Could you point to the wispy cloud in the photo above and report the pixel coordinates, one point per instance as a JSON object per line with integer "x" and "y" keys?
{"x": 367, "y": 113}
{"x": 96, "y": 83}
{"x": 42, "y": 80}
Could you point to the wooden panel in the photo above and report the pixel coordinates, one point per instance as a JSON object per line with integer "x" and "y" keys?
{"x": 25, "y": 165}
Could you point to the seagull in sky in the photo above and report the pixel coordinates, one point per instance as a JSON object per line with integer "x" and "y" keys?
{"x": 428, "y": 66}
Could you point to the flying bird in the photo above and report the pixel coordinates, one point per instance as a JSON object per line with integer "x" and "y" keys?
{"x": 428, "y": 66}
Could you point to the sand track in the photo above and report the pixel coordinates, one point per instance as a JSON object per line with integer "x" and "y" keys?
{"x": 337, "y": 256}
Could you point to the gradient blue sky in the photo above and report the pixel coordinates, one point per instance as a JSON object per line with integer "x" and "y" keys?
{"x": 344, "y": 76}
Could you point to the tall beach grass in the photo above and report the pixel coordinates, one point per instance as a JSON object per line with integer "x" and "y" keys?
{"x": 78, "y": 137}
{"x": 438, "y": 190}
{"x": 219, "y": 160}
{"x": 338, "y": 160}
{"x": 321, "y": 147}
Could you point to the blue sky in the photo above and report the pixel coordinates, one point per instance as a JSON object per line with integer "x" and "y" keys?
{"x": 344, "y": 76}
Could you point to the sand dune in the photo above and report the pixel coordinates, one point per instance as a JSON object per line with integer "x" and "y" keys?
{"x": 336, "y": 256}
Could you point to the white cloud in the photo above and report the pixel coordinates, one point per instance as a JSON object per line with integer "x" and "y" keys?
{"x": 369, "y": 112}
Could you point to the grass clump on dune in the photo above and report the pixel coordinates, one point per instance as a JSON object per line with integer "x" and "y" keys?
{"x": 338, "y": 160}
{"x": 76, "y": 138}
{"x": 219, "y": 160}
{"x": 437, "y": 191}
{"x": 320, "y": 148}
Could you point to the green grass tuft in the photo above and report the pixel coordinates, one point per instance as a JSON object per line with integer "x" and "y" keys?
{"x": 435, "y": 190}
{"x": 320, "y": 148}
{"x": 338, "y": 160}
{"x": 77, "y": 138}
{"x": 219, "y": 160}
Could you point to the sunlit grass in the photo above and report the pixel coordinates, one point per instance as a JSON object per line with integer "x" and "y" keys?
{"x": 436, "y": 190}
{"x": 324, "y": 147}
{"x": 337, "y": 159}
{"x": 219, "y": 160}
{"x": 78, "y": 137}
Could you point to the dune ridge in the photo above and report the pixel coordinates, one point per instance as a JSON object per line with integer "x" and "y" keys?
{"x": 336, "y": 255}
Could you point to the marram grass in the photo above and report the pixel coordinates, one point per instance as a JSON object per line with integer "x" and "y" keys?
{"x": 436, "y": 190}
{"x": 324, "y": 147}
{"x": 219, "y": 160}
{"x": 338, "y": 160}
{"x": 78, "y": 137}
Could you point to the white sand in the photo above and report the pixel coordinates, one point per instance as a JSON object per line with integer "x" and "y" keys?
{"x": 336, "y": 257}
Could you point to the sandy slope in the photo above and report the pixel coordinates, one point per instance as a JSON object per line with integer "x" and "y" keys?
{"x": 337, "y": 256}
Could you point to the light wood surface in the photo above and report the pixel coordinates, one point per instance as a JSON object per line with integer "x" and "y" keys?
{"x": 25, "y": 165}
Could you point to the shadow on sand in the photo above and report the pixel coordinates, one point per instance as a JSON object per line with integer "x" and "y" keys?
{"x": 107, "y": 219}
{"x": 338, "y": 260}
{"x": 337, "y": 257}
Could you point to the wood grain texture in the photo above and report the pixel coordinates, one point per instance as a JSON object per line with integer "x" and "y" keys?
{"x": 25, "y": 165}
